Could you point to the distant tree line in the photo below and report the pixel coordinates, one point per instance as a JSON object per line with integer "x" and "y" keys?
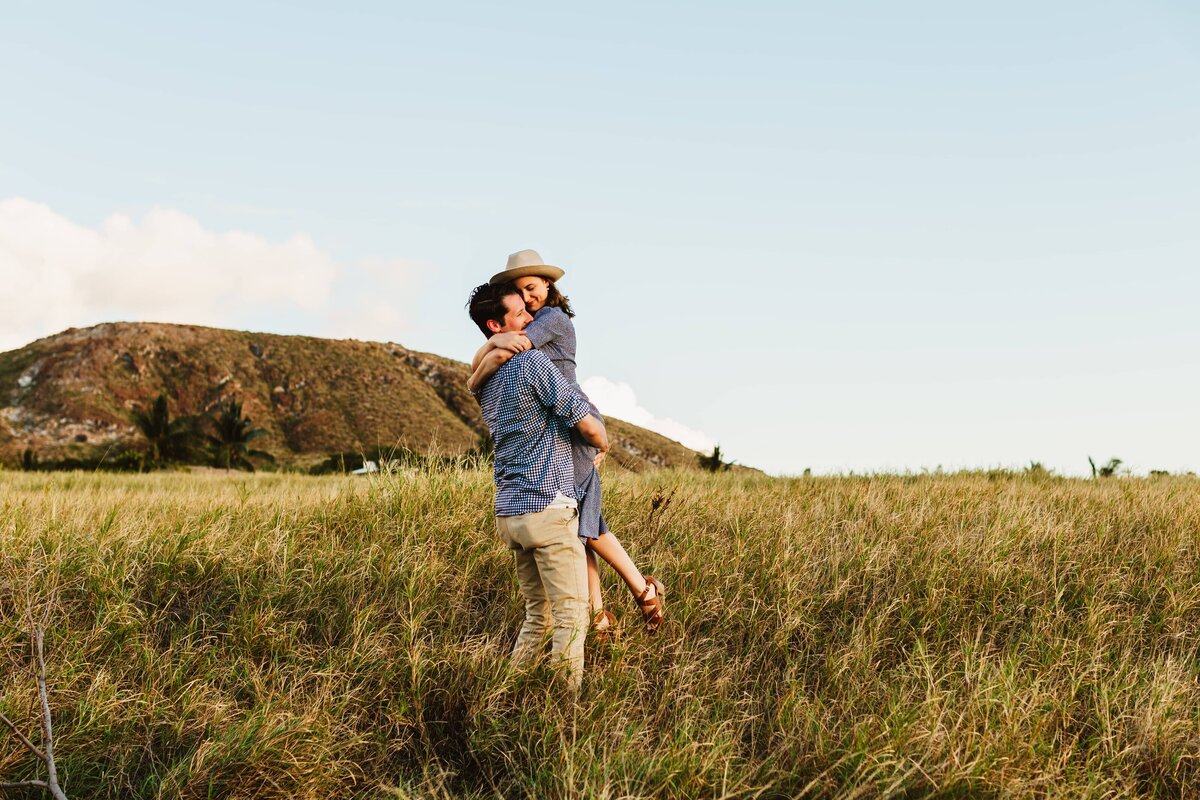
{"x": 389, "y": 458}
{"x": 123, "y": 461}
{"x": 221, "y": 438}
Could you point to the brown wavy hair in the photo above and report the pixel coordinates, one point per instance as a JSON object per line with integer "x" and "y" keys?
{"x": 556, "y": 299}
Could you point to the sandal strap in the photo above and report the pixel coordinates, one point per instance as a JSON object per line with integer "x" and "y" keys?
{"x": 652, "y": 608}
{"x": 658, "y": 592}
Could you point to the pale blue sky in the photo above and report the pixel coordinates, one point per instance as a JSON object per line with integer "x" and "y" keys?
{"x": 841, "y": 236}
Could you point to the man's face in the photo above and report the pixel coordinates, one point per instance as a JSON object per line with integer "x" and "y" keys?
{"x": 516, "y": 316}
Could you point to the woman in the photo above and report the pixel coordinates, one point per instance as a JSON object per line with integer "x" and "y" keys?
{"x": 553, "y": 332}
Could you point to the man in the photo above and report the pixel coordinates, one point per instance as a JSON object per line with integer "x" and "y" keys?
{"x": 530, "y": 408}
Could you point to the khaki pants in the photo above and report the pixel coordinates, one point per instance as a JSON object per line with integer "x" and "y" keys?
{"x": 552, "y": 572}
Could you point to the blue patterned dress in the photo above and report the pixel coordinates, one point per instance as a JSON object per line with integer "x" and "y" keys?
{"x": 553, "y": 333}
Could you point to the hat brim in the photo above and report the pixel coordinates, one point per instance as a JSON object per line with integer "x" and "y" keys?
{"x": 541, "y": 270}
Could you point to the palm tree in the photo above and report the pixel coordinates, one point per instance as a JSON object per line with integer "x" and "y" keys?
{"x": 154, "y": 425}
{"x": 233, "y": 435}
{"x": 1106, "y": 471}
{"x": 170, "y": 440}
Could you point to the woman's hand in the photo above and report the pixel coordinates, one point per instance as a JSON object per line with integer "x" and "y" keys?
{"x": 513, "y": 341}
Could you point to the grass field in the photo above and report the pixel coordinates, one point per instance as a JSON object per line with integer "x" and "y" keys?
{"x": 936, "y": 636}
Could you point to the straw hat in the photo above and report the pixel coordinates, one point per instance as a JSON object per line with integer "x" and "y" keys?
{"x": 523, "y": 263}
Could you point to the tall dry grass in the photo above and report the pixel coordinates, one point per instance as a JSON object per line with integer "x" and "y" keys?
{"x": 275, "y": 636}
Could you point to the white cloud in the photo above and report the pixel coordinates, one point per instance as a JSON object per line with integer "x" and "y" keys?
{"x": 168, "y": 268}
{"x": 618, "y": 400}
{"x": 367, "y": 303}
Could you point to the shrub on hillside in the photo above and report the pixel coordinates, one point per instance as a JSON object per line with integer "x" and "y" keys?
{"x": 714, "y": 462}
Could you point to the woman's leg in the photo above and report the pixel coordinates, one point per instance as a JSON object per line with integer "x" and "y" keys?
{"x": 593, "y": 573}
{"x": 610, "y": 549}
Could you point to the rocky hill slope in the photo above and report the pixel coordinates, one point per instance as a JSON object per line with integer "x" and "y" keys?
{"x": 71, "y": 395}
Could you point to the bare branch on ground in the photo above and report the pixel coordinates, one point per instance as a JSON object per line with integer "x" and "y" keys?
{"x": 46, "y": 757}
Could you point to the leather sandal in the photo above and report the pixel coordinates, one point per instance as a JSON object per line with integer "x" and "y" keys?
{"x": 604, "y": 625}
{"x": 652, "y": 608}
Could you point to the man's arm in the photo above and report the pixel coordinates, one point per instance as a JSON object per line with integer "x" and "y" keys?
{"x": 567, "y": 402}
{"x": 553, "y": 390}
{"x": 592, "y": 431}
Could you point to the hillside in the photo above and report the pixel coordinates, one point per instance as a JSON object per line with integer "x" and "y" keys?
{"x": 71, "y": 394}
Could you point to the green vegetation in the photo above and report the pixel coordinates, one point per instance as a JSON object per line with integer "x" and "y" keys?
{"x": 401, "y": 458}
{"x": 312, "y": 397}
{"x": 177, "y": 440}
{"x": 275, "y": 636}
{"x": 231, "y": 437}
{"x": 94, "y": 461}
{"x": 714, "y": 461}
{"x": 1106, "y": 471}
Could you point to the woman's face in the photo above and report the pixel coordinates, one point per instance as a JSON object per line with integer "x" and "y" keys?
{"x": 533, "y": 291}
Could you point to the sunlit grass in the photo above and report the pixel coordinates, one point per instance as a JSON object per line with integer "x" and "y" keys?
{"x": 283, "y": 636}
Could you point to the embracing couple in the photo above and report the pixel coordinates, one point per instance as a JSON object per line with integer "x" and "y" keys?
{"x": 549, "y": 441}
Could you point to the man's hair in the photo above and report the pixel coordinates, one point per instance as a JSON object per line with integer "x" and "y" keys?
{"x": 487, "y": 303}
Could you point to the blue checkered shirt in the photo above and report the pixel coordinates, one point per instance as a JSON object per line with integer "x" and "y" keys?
{"x": 530, "y": 409}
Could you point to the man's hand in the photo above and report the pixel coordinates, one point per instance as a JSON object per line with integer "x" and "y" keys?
{"x": 600, "y": 458}
{"x": 513, "y": 341}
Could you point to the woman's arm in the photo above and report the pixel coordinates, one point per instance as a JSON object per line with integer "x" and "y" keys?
{"x": 486, "y": 367}
{"x": 480, "y": 353}
{"x": 503, "y": 346}
{"x": 513, "y": 341}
